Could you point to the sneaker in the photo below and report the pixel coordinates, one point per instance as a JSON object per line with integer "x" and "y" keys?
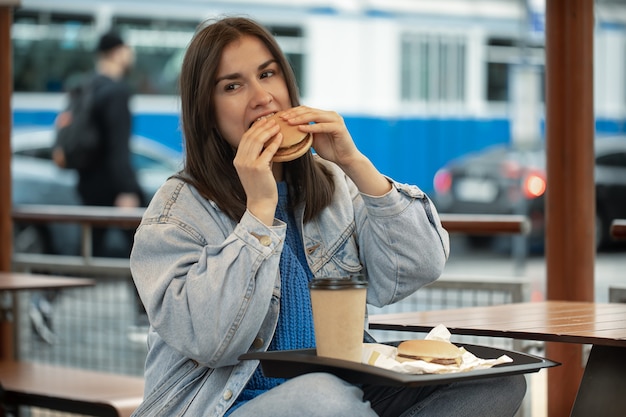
{"x": 40, "y": 313}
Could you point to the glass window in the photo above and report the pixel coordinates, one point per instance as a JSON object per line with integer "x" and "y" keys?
{"x": 501, "y": 54}
{"x": 433, "y": 67}
{"x": 159, "y": 46}
{"x": 497, "y": 81}
{"x": 48, "y": 48}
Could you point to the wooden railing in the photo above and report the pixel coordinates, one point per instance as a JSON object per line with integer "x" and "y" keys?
{"x": 90, "y": 216}
{"x": 618, "y": 229}
{"x": 87, "y": 217}
{"x": 487, "y": 224}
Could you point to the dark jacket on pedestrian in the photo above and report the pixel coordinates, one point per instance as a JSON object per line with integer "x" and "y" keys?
{"x": 111, "y": 174}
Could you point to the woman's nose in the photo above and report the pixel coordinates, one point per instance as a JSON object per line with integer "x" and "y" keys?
{"x": 260, "y": 95}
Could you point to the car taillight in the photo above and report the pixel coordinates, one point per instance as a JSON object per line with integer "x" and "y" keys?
{"x": 511, "y": 169}
{"x": 442, "y": 181}
{"x": 534, "y": 184}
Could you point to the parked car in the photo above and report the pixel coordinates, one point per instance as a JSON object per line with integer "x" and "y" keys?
{"x": 37, "y": 180}
{"x": 506, "y": 180}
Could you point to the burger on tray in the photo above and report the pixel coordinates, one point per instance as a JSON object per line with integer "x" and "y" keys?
{"x": 432, "y": 351}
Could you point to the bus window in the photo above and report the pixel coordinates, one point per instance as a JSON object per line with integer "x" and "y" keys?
{"x": 159, "y": 46}
{"x": 49, "y": 48}
{"x": 502, "y": 53}
{"x": 433, "y": 68}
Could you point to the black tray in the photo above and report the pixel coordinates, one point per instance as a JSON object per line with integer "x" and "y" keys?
{"x": 291, "y": 363}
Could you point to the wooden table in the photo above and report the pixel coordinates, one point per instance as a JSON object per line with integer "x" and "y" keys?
{"x": 73, "y": 390}
{"x": 602, "y": 390}
{"x": 13, "y": 282}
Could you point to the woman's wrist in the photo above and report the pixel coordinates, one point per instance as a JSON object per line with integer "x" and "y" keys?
{"x": 263, "y": 211}
{"x": 366, "y": 177}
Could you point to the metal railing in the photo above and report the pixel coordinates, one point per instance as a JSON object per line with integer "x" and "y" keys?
{"x": 93, "y": 328}
{"x": 456, "y": 291}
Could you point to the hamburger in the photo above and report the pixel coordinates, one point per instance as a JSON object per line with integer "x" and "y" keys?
{"x": 295, "y": 143}
{"x": 433, "y": 351}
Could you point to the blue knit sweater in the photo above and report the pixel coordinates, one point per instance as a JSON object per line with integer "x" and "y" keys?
{"x": 295, "y": 321}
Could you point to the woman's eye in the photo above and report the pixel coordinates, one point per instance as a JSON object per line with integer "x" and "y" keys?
{"x": 231, "y": 87}
{"x": 267, "y": 74}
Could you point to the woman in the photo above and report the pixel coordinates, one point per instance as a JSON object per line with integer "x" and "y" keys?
{"x": 225, "y": 251}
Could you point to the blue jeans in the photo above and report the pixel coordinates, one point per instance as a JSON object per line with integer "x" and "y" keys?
{"x": 324, "y": 395}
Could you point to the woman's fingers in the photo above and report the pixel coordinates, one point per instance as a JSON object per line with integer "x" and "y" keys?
{"x": 303, "y": 115}
{"x": 260, "y": 135}
{"x": 331, "y": 138}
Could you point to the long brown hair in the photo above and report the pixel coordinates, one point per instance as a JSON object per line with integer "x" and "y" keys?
{"x": 209, "y": 158}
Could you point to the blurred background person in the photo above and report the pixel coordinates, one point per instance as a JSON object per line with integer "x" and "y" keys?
{"x": 111, "y": 181}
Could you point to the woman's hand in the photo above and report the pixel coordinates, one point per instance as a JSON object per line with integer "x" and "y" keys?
{"x": 253, "y": 163}
{"x": 333, "y": 142}
{"x": 331, "y": 139}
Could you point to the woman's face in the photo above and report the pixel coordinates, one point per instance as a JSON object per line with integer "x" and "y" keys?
{"x": 249, "y": 85}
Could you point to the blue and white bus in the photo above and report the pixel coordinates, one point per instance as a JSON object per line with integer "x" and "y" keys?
{"x": 418, "y": 82}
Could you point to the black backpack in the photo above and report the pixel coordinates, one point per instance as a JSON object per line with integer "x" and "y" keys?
{"x": 77, "y": 142}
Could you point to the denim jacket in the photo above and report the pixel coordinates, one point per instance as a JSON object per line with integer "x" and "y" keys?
{"x": 211, "y": 286}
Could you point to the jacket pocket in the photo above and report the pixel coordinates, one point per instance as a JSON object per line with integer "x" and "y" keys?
{"x": 342, "y": 259}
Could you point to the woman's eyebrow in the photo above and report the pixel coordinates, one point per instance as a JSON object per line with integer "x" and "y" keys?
{"x": 232, "y": 76}
{"x": 236, "y": 75}
{"x": 266, "y": 64}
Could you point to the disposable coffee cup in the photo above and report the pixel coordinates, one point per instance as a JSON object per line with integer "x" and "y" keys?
{"x": 338, "y": 316}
